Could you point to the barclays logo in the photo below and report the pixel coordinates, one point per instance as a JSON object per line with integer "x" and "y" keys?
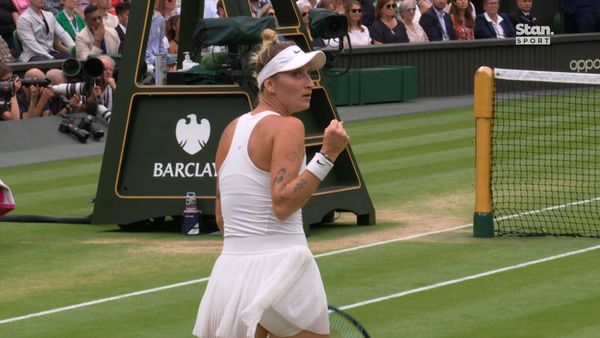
{"x": 191, "y": 135}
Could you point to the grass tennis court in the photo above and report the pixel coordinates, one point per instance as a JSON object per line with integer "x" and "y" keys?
{"x": 419, "y": 172}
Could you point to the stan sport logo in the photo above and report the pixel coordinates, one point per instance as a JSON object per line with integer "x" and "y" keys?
{"x": 533, "y": 35}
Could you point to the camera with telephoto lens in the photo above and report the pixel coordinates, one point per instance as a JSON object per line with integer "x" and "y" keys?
{"x": 66, "y": 126}
{"x": 89, "y": 123}
{"x": 95, "y": 108}
{"x": 70, "y": 89}
{"x": 84, "y": 76}
{"x": 35, "y": 81}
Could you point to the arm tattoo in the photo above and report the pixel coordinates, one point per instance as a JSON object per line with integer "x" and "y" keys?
{"x": 299, "y": 186}
{"x": 280, "y": 176}
{"x": 292, "y": 156}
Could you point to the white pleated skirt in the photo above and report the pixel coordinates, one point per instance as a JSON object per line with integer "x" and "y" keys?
{"x": 269, "y": 280}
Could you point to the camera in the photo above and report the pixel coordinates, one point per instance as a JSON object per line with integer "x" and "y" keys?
{"x": 67, "y": 127}
{"x": 89, "y": 123}
{"x": 104, "y": 113}
{"x": 95, "y": 108}
{"x": 70, "y": 89}
{"x": 35, "y": 81}
{"x": 7, "y": 89}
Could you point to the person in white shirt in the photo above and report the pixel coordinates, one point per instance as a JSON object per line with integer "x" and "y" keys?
{"x": 41, "y": 36}
{"x": 359, "y": 34}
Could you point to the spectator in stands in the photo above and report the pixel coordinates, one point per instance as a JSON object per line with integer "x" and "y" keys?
{"x": 21, "y": 5}
{"x": 42, "y": 38}
{"x": 122, "y": 11}
{"x": 172, "y": 32}
{"x": 68, "y": 19}
{"x": 437, "y": 23}
{"x": 6, "y": 54}
{"x": 387, "y": 28}
{"x": 104, "y": 6}
{"x": 96, "y": 37}
{"x": 580, "y": 15}
{"x": 415, "y": 32}
{"x": 33, "y": 99}
{"x": 462, "y": 19}
{"x": 155, "y": 44}
{"x": 8, "y": 21}
{"x": 305, "y": 16}
{"x": 491, "y": 24}
{"x": 523, "y": 14}
{"x": 417, "y": 11}
{"x": 359, "y": 34}
{"x": 9, "y": 110}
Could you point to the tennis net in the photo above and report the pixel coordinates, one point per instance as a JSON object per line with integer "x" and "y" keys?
{"x": 545, "y": 153}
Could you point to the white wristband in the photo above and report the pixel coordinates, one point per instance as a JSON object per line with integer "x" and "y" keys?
{"x": 319, "y": 166}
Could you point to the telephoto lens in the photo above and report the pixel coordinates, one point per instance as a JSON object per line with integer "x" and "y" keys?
{"x": 35, "y": 81}
{"x": 69, "y": 128}
{"x": 89, "y": 123}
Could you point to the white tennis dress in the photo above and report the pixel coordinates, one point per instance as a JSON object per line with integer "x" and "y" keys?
{"x": 265, "y": 274}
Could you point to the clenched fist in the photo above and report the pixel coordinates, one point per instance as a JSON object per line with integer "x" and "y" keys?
{"x": 335, "y": 139}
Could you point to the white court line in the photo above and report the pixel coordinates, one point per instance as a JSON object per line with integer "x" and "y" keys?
{"x": 102, "y": 300}
{"x": 555, "y": 207}
{"x": 205, "y": 279}
{"x": 471, "y": 277}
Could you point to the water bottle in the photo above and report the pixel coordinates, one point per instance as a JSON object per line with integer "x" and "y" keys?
{"x": 191, "y": 216}
{"x": 160, "y": 69}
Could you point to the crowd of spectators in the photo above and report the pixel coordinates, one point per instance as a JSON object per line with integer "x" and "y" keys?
{"x": 41, "y": 30}
{"x": 409, "y": 21}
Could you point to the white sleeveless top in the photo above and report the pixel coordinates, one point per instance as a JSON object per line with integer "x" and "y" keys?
{"x": 245, "y": 190}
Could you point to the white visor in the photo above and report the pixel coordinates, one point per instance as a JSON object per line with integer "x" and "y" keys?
{"x": 289, "y": 59}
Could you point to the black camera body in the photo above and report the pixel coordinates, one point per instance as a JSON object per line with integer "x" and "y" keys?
{"x": 89, "y": 123}
{"x": 7, "y": 89}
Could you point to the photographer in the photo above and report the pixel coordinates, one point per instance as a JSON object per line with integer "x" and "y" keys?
{"x": 108, "y": 84}
{"x": 34, "y": 95}
{"x": 10, "y": 108}
{"x": 61, "y": 104}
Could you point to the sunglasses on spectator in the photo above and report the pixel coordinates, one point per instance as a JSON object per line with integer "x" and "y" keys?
{"x": 411, "y": 10}
{"x": 356, "y": 10}
{"x": 388, "y": 6}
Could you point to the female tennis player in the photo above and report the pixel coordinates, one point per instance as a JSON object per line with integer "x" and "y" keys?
{"x": 266, "y": 281}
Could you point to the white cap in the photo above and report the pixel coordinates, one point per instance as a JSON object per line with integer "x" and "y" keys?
{"x": 289, "y": 59}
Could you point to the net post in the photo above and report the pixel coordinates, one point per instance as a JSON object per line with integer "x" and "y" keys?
{"x": 483, "y": 109}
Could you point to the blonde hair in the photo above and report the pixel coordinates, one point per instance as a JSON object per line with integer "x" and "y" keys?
{"x": 270, "y": 47}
